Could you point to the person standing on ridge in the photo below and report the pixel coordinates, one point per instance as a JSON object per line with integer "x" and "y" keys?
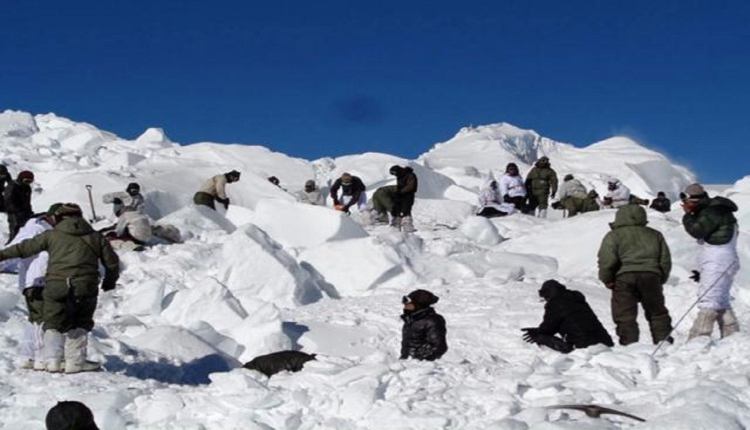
{"x": 71, "y": 285}
{"x": 214, "y": 189}
{"x": 512, "y": 188}
{"x": 423, "y": 333}
{"x": 634, "y": 262}
{"x": 711, "y": 221}
{"x": 541, "y": 184}
{"x": 403, "y": 198}
{"x": 17, "y": 196}
{"x": 352, "y": 193}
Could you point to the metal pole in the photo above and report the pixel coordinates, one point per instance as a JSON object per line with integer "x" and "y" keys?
{"x": 91, "y": 202}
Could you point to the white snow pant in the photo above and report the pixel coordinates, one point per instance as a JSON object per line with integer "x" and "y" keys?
{"x": 53, "y": 347}
{"x": 32, "y": 342}
{"x": 76, "y": 342}
{"x": 704, "y": 323}
{"x": 361, "y": 203}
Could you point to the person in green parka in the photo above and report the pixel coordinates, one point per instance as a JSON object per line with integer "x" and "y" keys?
{"x": 634, "y": 262}
{"x": 382, "y": 203}
{"x": 541, "y": 184}
{"x": 72, "y": 280}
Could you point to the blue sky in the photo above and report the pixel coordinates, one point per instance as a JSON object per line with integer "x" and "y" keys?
{"x": 331, "y": 78}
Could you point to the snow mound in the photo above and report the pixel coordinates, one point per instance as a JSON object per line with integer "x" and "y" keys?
{"x": 481, "y": 230}
{"x": 196, "y": 221}
{"x": 154, "y": 137}
{"x": 298, "y": 225}
{"x": 17, "y": 124}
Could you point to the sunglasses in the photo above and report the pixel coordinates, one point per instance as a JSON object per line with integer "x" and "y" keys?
{"x": 405, "y": 300}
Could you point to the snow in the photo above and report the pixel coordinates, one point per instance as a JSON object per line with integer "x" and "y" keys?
{"x": 271, "y": 274}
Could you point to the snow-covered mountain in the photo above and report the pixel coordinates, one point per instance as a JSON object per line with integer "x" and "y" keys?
{"x": 274, "y": 274}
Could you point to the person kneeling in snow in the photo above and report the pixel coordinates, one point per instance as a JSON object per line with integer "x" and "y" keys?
{"x": 567, "y": 313}
{"x": 423, "y": 334}
{"x": 271, "y": 364}
{"x": 711, "y": 221}
{"x": 215, "y": 189}
{"x": 491, "y": 204}
{"x": 618, "y": 194}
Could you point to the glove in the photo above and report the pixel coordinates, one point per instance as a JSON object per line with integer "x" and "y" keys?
{"x": 109, "y": 284}
{"x": 225, "y": 202}
{"x": 696, "y": 276}
{"x": 117, "y": 201}
{"x": 530, "y": 334}
{"x": 339, "y": 207}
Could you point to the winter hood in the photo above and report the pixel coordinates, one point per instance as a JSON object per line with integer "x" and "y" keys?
{"x": 74, "y": 226}
{"x": 723, "y": 202}
{"x": 629, "y": 215}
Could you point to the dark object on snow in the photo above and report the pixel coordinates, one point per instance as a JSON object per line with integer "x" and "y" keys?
{"x": 406, "y": 189}
{"x": 568, "y": 314}
{"x": 17, "y": 200}
{"x": 661, "y": 203}
{"x": 635, "y": 200}
{"x": 696, "y": 276}
{"x": 423, "y": 333}
{"x": 595, "y": 411}
{"x": 70, "y": 415}
{"x": 271, "y": 364}
{"x": 5, "y": 179}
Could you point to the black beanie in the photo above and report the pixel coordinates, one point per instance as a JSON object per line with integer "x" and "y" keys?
{"x": 422, "y": 298}
{"x": 69, "y": 415}
{"x": 550, "y": 288}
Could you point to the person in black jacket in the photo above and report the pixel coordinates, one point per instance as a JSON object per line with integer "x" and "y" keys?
{"x": 352, "y": 193}
{"x": 5, "y": 179}
{"x": 661, "y": 203}
{"x": 17, "y": 197}
{"x": 567, "y": 313}
{"x": 271, "y": 364}
{"x": 403, "y": 199}
{"x": 423, "y": 334}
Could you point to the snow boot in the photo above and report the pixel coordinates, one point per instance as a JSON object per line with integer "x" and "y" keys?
{"x": 704, "y": 323}
{"x": 76, "y": 342}
{"x": 381, "y": 218}
{"x": 542, "y": 213}
{"x": 396, "y": 222}
{"x": 53, "y": 350}
{"x": 728, "y": 324}
{"x": 407, "y": 225}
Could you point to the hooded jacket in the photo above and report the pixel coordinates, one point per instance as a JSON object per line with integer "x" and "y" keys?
{"x": 17, "y": 198}
{"x": 712, "y": 221}
{"x": 630, "y": 246}
{"x": 406, "y": 180}
{"x": 567, "y": 313}
{"x": 423, "y": 335}
{"x": 541, "y": 179}
{"x": 74, "y": 248}
{"x": 620, "y": 195}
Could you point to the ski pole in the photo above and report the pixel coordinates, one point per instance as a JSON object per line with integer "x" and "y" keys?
{"x": 661, "y": 342}
{"x": 91, "y": 202}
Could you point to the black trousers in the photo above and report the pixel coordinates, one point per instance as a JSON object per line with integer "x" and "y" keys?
{"x": 402, "y": 204}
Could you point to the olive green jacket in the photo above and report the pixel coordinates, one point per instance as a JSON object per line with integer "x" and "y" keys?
{"x": 541, "y": 180}
{"x": 74, "y": 248}
{"x": 632, "y": 247}
{"x": 712, "y": 221}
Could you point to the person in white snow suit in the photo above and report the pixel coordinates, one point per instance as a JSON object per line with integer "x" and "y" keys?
{"x": 711, "y": 221}
{"x": 572, "y": 195}
{"x": 131, "y": 200}
{"x": 491, "y": 203}
{"x": 31, "y": 271}
{"x": 618, "y": 194}
{"x": 134, "y": 227}
{"x": 214, "y": 189}
{"x": 513, "y": 188}
{"x": 311, "y": 194}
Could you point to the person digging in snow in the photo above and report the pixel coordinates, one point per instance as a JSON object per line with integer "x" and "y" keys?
{"x": 512, "y": 188}
{"x": 71, "y": 289}
{"x": 403, "y": 198}
{"x": 574, "y": 198}
{"x": 311, "y": 194}
{"x": 31, "y": 271}
{"x": 423, "y": 333}
{"x": 17, "y": 198}
{"x": 352, "y": 193}
{"x": 271, "y": 364}
{"x": 491, "y": 204}
{"x": 214, "y": 189}
{"x": 541, "y": 185}
{"x": 131, "y": 200}
{"x": 567, "y": 313}
{"x": 661, "y": 203}
{"x": 634, "y": 262}
{"x": 711, "y": 221}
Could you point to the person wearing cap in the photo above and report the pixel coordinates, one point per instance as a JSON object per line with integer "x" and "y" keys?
{"x": 70, "y": 415}
{"x": 71, "y": 285}
{"x": 618, "y": 194}
{"x": 131, "y": 200}
{"x": 31, "y": 272}
{"x": 423, "y": 333}
{"x": 17, "y": 197}
{"x": 634, "y": 263}
{"x": 5, "y": 179}
{"x": 311, "y": 194}
{"x": 566, "y": 313}
{"x": 711, "y": 221}
{"x": 214, "y": 189}
{"x": 661, "y": 203}
{"x": 541, "y": 184}
{"x": 403, "y": 198}
{"x": 352, "y": 193}
{"x": 512, "y": 188}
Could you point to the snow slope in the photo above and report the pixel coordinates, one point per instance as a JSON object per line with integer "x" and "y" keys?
{"x": 272, "y": 274}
